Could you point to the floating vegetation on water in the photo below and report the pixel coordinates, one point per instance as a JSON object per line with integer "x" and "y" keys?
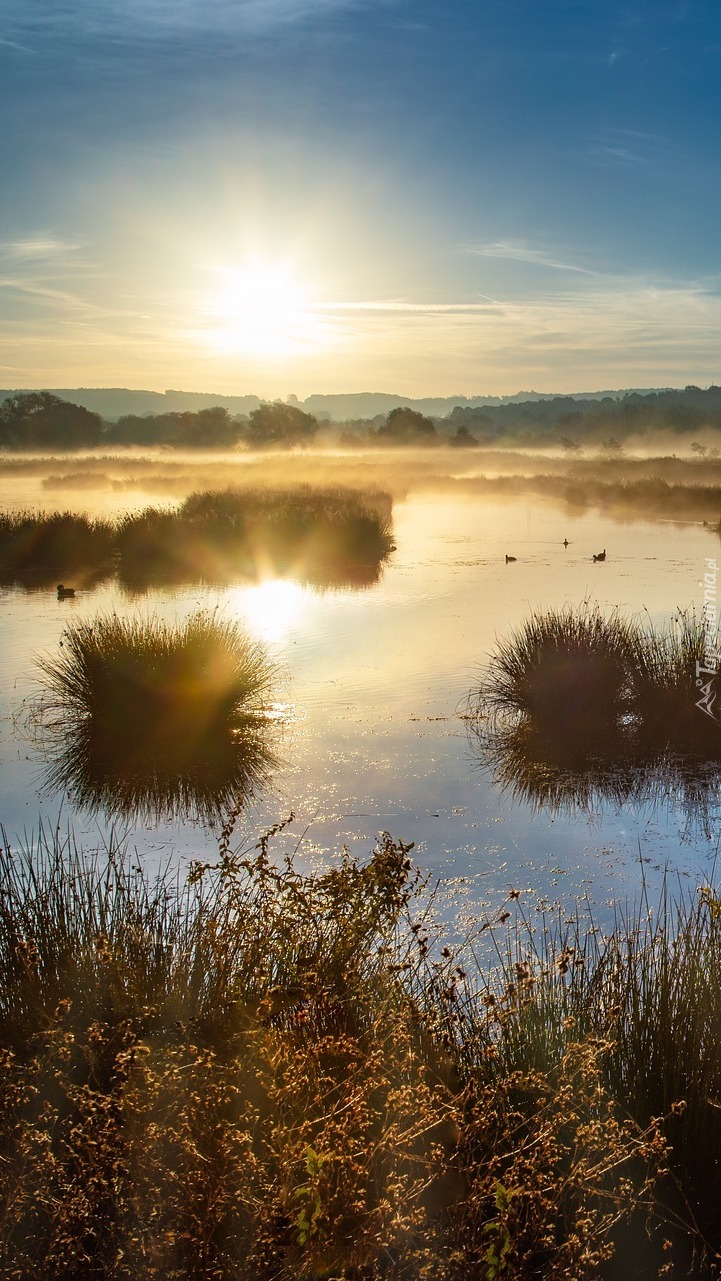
{"x": 577, "y": 707}
{"x": 326, "y": 536}
{"x": 141, "y": 718}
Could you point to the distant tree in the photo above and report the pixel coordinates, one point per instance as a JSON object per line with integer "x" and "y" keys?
{"x": 569, "y": 446}
{"x": 701, "y": 450}
{"x": 280, "y": 424}
{"x": 211, "y": 428}
{"x": 612, "y": 447}
{"x": 407, "y": 426}
{"x": 39, "y": 420}
{"x": 137, "y": 429}
{"x": 462, "y": 437}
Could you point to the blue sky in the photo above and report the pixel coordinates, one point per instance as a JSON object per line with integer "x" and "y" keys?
{"x": 279, "y": 196}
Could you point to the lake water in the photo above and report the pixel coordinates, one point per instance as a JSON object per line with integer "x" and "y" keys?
{"x": 373, "y": 685}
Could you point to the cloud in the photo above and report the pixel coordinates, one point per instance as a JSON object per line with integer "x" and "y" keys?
{"x": 520, "y": 251}
{"x": 628, "y": 147}
{"x": 98, "y": 18}
{"x": 411, "y": 308}
{"x": 13, "y": 44}
{"x": 37, "y": 248}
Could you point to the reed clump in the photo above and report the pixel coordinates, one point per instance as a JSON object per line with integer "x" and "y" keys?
{"x": 563, "y": 669}
{"x": 143, "y": 717}
{"x": 37, "y": 549}
{"x": 313, "y": 534}
{"x": 329, "y": 536}
{"x": 253, "y": 1073}
{"x": 574, "y": 703}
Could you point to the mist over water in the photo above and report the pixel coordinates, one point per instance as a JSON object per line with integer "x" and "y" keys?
{"x": 373, "y": 682}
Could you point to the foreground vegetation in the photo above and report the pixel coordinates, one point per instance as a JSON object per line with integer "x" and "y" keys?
{"x": 320, "y": 535}
{"x": 258, "y": 1074}
{"x": 143, "y": 718}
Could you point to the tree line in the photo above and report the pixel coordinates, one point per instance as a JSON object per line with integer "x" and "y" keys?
{"x": 42, "y": 421}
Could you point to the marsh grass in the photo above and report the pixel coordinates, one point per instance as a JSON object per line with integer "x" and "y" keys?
{"x": 576, "y": 707}
{"x": 316, "y": 535}
{"x": 332, "y": 536}
{"x": 665, "y": 692}
{"x": 565, "y": 670}
{"x": 145, "y": 718}
{"x": 647, "y": 991}
{"x": 252, "y": 1073}
{"x": 37, "y": 550}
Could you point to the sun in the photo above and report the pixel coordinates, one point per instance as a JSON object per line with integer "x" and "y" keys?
{"x": 261, "y": 309}
{"x": 271, "y": 608}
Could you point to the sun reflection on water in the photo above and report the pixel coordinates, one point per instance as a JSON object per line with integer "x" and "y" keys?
{"x": 272, "y": 608}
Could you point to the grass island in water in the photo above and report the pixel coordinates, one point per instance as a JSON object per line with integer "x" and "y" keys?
{"x": 326, "y": 536}
{"x": 143, "y": 718}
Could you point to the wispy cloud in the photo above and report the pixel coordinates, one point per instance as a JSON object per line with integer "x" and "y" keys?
{"x": 172, "y": 17}
{"x": 37, "y": 248}
{"x": 14, "y": 44}
{"x": 627, "y": 148}
{"x": 521, "y": 251}
{"x": 411, "y": 308}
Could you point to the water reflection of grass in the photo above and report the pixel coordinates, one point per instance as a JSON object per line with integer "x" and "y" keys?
{"x": 328, "y": 536}
{"x": 577, "y": 707}
{"x": 261, "y": 1074}
{"x": 144, "y": 719}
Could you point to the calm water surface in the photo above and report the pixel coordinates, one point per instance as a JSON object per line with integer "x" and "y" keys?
{"x": 373, "y": 684}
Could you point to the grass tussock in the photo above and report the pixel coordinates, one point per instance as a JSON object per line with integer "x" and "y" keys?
{"x": 144, "y": 718}
{"x": 258, "y": 1074}
{"x": 565, "y": 670}
{"x": 576, "y": 705}
{"x": 329, "y": 536}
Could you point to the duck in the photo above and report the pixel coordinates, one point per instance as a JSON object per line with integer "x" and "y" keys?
{"x": 600, "y": 555}
{"x": 566, "y": 543}
{"x": 510, "y": 558}
{"x": 64, "y": 593}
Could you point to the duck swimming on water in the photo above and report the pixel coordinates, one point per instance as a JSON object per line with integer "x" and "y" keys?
{"x": 510, "y": 558}
{"x": 600, "y": 555}
{"x": 64, "y": 593}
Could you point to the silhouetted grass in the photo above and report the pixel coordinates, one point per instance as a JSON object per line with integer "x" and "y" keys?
{"x": 259, "y": 1074}
{"x": 145, "y": 718}
{"x": 648, "y": 991}
{"x": 565, "y": 670}
{"x": 665, "y": 688}
{"x": 580, "y": 678}
{"x": 37, "y": 550}
{"x": 576, "y": 709}
{"x": 316, "y": 535}
{"x": 326, "y": 536}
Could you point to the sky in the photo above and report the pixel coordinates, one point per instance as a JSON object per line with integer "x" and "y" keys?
{"x": 279, "y": 197}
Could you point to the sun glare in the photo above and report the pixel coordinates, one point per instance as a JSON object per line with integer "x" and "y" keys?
{"x": 271, "y": 608}
{"x": 260, "y": 309}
